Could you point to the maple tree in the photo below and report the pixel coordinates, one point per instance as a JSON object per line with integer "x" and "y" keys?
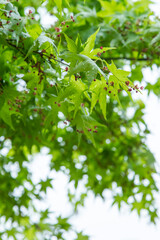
{"x": 64, "y": 86}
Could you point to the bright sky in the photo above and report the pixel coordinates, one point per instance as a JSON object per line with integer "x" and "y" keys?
{"x": 97, "y": 218}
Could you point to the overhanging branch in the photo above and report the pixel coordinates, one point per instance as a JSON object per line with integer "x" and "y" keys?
{"x": 127, "y": 58}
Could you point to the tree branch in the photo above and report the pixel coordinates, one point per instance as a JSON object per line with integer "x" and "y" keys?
{"x": 40, "y": 53}
{"x": 126, "y": 58}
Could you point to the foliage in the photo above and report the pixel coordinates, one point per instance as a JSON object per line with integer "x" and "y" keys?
{"x": 68, "y": 81}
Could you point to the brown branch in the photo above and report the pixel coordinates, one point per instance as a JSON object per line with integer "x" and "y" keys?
{"x": 49, "y": 58}
{"x": 40, "y": 53}
{"x": 128, "y": 58}
{"x": 14, "y": 46}
{"x": 60, "y": 61}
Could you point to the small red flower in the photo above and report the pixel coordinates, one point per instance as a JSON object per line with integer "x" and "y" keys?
{"x": 57, "y": 29}
{"x": 127, "y": 83}
{"x": 136, "y": 86}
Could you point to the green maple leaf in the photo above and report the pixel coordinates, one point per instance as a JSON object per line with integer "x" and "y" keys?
{"x": 80, "y": 236}
{"x": 89, "y": 45}
{"x": 70, "y": 44}
{"x": 87, "y": 66}
{"x": 45, "y": 184}
{"x": 59, "y": 5}
{"x": 85, "y": 123}
{"x": 120, "y": 78}
{"x": 99, "y": 93}
{"x": 74, "y": 92}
